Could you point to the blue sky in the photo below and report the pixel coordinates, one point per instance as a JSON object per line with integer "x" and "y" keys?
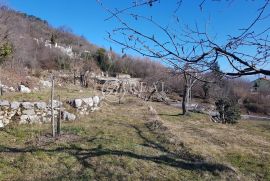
{"x": 86, "y": 17}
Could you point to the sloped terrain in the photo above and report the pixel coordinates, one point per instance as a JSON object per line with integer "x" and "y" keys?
{"x": 129, "y": 142}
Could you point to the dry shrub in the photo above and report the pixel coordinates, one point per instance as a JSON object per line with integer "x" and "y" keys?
{"x": 257, "y": 104}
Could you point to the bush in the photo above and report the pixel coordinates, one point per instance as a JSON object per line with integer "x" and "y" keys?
{"x": 228, "y": 110}
{"x": 256, "y": 105}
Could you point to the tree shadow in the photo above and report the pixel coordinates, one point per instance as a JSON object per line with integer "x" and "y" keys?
{"x": 184, "y": 161}
{"x": 164, "y": 114}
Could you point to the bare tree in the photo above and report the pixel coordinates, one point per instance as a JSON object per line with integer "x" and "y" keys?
{"x": 191, "y": 45}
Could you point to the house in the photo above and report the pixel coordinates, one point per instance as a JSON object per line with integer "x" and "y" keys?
{"x": 261, "y": 84}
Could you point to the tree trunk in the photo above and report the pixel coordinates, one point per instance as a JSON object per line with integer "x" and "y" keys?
{"x": 184, "y": 100}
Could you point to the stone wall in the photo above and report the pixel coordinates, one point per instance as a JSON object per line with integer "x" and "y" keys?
{"x": 84, "y": 106}
{"x": 40, "y": 112}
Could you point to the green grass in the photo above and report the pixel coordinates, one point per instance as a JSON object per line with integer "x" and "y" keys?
{"x": 115, "y": 144}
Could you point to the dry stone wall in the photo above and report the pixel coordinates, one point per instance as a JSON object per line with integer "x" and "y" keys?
{"x": 84, "y": 106}
{"x": 40, "y": 112}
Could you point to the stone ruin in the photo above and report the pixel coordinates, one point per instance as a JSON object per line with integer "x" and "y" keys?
{"x": 40, "y": 112}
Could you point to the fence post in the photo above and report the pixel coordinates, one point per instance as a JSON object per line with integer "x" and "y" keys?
{"x": 58, "y": 128}
{"x": 52, "y": 110}
{"x": 74, "y": 81}
{"x": 1, "y": 88}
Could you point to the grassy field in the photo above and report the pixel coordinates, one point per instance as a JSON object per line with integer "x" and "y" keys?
{"x": 126, "y": 142}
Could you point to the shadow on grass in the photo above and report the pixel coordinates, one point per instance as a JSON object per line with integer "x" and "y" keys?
{"x": 163, "y": 114}
{"x": 82, "y": 155}
{"x": 184, "y": 161}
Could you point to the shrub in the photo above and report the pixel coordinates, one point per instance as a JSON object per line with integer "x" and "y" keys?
{"x": 228, "y": 110}
{"x": 257, "y": 104}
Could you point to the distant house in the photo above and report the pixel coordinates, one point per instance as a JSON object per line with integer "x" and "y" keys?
{"x": 123, "y": 76}
{"x": 261, "y": 84}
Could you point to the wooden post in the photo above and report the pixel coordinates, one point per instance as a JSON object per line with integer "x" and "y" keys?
{"x": 74, "y": 77}
{"x": 1, "y": 89}
{"x": 58, "y": 127}
{"x": 52, "y": 95}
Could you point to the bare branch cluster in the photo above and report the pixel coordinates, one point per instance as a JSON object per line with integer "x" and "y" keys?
{"x": 247, "y": 53}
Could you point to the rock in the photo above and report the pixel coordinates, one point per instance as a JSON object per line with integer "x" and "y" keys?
{"x": 1, "y": 124}
{"x": 41, "y": 105}
{"x": 159, "y": 97}
{"x": 28, "y": 105}
{"x": 96, "y": 100}
{"x": 11, "y": 89}
{"x": 15, "y": 105}
{"x": 6, "y": 121}
{"x": 88, "y": 101}
{"x": 29, "y": 112}
{"x": 45, "y": 83}
{"x": 68, "y": 116}
{"x": 35, "y": 89}
{"x": 56, "y": 104}
{"x": 24, "y": 119}
{"x": 45, "y": 119}
{"x": 24, "y": 89}
{"x": 77, "y": 103}
{"x": 4, "y": 103}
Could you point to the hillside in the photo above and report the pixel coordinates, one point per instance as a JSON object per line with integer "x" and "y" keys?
{"x": 71, "y": 110}
{"x": 36, "y": 44}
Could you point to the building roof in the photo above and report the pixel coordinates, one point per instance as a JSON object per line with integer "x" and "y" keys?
{"x": 261, "y": 83}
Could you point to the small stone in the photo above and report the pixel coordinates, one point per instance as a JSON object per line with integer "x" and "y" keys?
{"x": 6, "y": 121}
{"x": 12, "y": 89}
{"x": 45, "y": 83}
{"x": 96, "y": 100}
{"x": 24, "y": 119}
{"x": 27, "y": 105}
{"x": 88, "y": 101}
{"x": 41, "y": 105}
{"x": 14, "y": 105}
{"x": 1, "y": 124}
{"x": 28, "y": 112}
{"x": 4, "y": 103}
{"x": 77, "y": 103}
{"x": 66, "y": 116}
{"x": 56, "y": 104}
{"x": 24, "y": 89}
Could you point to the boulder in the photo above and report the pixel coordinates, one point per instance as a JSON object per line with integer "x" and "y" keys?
{"x": 6, "y": 121}
{"x": 24, "y": 89}
{"x": 1, "y": 124}
{"x": 15, "y": 105}
{"x": 29, "y": 112}
{"x": 96, "y": 100}
{"x": 4, "y": 103}
{"x": 28, "y": 105}
{"x": 41, "y": 105}
{"x": 11, "y": 89}
{"x": 24, "y": 119}
{"x": 66, "y": 116}
{"x": 88, "y": 101}
{"x": 45, "y": 83}
{"x": 77, "y": 103}
{"x": 56, "y": 103}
